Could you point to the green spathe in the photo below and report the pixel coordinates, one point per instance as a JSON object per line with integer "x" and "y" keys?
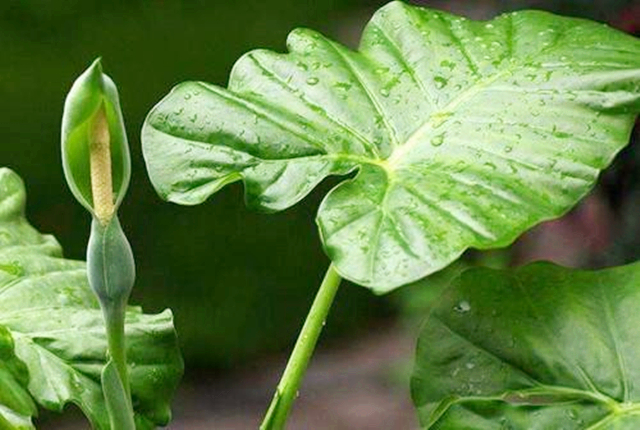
{"x": 91, "y": 91}
{"x": 536, "y": 348}
{"x": 462, "y": 133}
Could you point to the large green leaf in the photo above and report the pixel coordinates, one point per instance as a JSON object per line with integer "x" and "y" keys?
{"x": 535, "y": 348}
{"x": 463, "y": 133}
{"x": 54, "y": 319}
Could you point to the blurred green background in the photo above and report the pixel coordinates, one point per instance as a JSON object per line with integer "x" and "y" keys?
{"x": 239, "y": 283}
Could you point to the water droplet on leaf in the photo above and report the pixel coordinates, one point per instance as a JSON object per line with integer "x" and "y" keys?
{"x": 462, "y": 307}
{"x": 440, "y": 82}
{"x": 437, "y": 140}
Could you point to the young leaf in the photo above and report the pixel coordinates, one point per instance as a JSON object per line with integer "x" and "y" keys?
{"x": 463, "y": 134}
{"x": 55, "y": 321}
{"x": 539, "y": 347}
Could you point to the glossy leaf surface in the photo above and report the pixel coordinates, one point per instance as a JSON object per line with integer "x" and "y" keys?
{"x": 463, "y": 134}
{"x": 54, "y": 319}
{"x": 16, "y": 405}
{"x": 539, "y": 347}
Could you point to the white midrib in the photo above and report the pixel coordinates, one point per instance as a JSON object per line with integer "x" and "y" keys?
{"x": 435, "y": 118}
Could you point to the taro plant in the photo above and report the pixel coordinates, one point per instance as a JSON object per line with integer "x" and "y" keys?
{"x": 95, "y": 157}
{"x": 54, "y": 345}
{"x": 452, "y": 134}
{"x": 60, "y": 342}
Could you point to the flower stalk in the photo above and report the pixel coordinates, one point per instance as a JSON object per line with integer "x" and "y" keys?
{"x": 95, "y": 157}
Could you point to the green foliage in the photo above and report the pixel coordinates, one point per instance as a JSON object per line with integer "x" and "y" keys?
{"x": 52, "y": 316}
{"x": 464, "y": 134}
{"x": 16, "y": 405}
{"x": 538, "y": 347}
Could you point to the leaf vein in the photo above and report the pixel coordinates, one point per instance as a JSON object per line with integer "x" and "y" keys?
{"x": 392, "y": 134}
{"x": 252, "y": 107}
{"x": 315, "y": 107}
{"x": 399, "y": 55}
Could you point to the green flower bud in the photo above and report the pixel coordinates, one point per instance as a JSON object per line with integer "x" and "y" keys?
{"x": 110, "y": 264}
{"x": 95, "y": 152}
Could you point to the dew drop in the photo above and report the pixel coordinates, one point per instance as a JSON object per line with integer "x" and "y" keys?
{"x": 384, "y": 92}
{"x": 313, "y": 81}
{"x": 462, "y": 307}
{"x": 440, "y": 82}
{"x": 437, "y": 140}
{"x": 448, "y": 64}
{"x": 490, "y": 165}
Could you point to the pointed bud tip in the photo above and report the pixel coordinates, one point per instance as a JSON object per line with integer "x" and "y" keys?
{"x": 94, "y": 74}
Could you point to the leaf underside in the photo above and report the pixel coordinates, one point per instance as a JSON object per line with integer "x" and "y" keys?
{"x": 52, "y": 316}
{"x": 463, "y": 134}
{"x": 535, "y": 348}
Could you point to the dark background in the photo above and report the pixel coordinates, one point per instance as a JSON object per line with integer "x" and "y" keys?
{"x": 239, "y": 282}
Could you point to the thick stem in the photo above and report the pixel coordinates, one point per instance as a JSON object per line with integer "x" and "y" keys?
{"x": 287, "y": 390}
{"x": 114, "y": 321}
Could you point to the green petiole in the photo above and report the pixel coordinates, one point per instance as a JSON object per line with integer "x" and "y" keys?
{"x": 287, "y": 390}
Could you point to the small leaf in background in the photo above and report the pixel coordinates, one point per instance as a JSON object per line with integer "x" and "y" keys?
{"x": 535, "y": 348}
{"x": 54, "y": 319}
{"x": 463, "y": 134}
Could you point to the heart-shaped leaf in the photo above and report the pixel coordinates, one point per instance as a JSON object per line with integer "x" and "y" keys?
{"x": 57, "y": 326}
{"x": 464, "y": 134}
{"x": 536, "y": 348}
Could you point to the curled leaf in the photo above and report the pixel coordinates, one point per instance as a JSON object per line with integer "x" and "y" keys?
{"x": 16, "y": 405}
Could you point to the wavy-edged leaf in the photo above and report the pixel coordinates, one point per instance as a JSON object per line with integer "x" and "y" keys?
{"x": 464, "y": 134}
{"x": 16, "y": 405}
{"x": 535, "y": 348}
{"x": 54, "y": 319}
